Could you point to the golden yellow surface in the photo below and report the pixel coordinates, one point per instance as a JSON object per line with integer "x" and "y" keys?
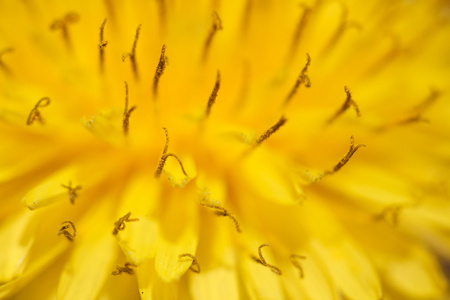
{"x": 354, "y": 184}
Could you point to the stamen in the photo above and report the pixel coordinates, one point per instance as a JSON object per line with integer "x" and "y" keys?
{"x": 346, "y": 158}
{"x": 66, "y": 233}
{"x": 127, "y": 269}
{"x": 263, "y": 262}
{"x": 162, "y": 64}
{"x": 132, "y": 54}
{"x": 162, "y": 13}
{"x": 35, "y": 113}
{"x": 389, "y": 214}
{"x": 216, "y": 25}
{"x": 195, "y": 266}
{"x": 343, "y": 26}
{"x": 271, "y": 130}
{"x": 72, "y": 191}
{"x": 164, "y": 157}
{"x": 348, "y": 102}
{"x": 213, "y": 96}
{"x": 120, "y": 224}
{"x": 127, "y": 112}
{"x": 434, "y": 95}
{"x": 223, "y": 212}
{"x": 302, "y": 79}
{"x": 102, "y": 45}
{"x": 303, "y": 21}
{"x": 61, "y": 24}
{"x": 295, "y": 260}
{"x": 2, "y": 64}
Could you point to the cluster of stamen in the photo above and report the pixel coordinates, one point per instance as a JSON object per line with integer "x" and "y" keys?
{"x": 166, "y": 155}
{"x": 216, "y": 26}
{"x": 271, "y": 130}
{"x": 303, "y": 79}
{"x": 263, "y": 262}
{"x": 213, "y": 96}
{"x": 346, "y": 158}
{"x": 348, "y": 102}
{"x": 72, "y": 191}
{"x": 221, "y": 211}
{"x": 65, "y": 232}
{"x": 132, "y": 54}
{"x": 295, "y": 260}
{"x": 126, "y": 269}
{"x": 162, "y": 64}
{"x": 62, "y": 24}
{"x": 102, "y": 45}
{"x": 119, "y": 225}
{"x": 127, "y": 112}
{"x": 35, "y": 114}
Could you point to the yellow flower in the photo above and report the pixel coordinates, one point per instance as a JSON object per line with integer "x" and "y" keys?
{"x": 224, "y": 149}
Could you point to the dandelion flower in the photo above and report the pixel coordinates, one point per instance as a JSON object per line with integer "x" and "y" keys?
{"x": 224, "y": 149}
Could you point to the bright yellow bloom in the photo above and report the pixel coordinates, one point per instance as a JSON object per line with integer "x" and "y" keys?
{"x": 224, "y": 149}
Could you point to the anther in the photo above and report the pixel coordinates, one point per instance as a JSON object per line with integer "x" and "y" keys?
{"x": 263, "y": 262}
{"x": 162, "y": 64}
{"x": 127, "y": 112}
{"x": 61, "y": 24}
{"x": 132, "y": 54}
{"x": 65, "y": 232}
{"x": 213, "y": 96}
{"x": 303, "y": 79}
{"x": 195, "y": 266}
{"x": 166, "y": 155}
{"x": 35, "y": 113}
{"x": 271, "y": 130}
{"x": 295, "y": 260}
{"x": 120, "y": 224}
{"x": 348, "y": 102}
{"x": 346, "y": 158}
{"x": 303, "y": 21}
{"x": 216, "y": 25}
{"x": 72, "y": 191}
{"x": 2, "y": 64}
{"x": 221, "y": 211}
{"x": 126, "y": 269}
{"x": 102, "y": 45}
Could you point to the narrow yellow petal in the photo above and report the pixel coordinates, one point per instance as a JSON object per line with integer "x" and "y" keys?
{"x": 416, "y": 275}
{"x": 50, "y": 190}
{"x": 145, "y": 275}
{"x": 15, "y": 248}
{"x": 178, "y": 234}
{"x": 260, "y": 282}
{"x": 268, "y": 177}
{"x": 343, "y": 260}
{"x": 218, "y": 283}
{"x": 139, "y": 240}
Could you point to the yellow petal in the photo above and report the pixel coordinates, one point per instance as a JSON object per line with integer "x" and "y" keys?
{"x": 217, "y": 283}
{"x": 178, "y": 234}
{"x": 15, "y": 247}
{"x": 50, "y": 190}
{"x": 416, "y": 275}
{"x": 145, "y": 275}
{"x": 92, "y": 259}
{"x": 343, "y": 261}
{"x": 268, "y": 177}
{"x": 139, "y": 240}
{"x": 260, "y": 282}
